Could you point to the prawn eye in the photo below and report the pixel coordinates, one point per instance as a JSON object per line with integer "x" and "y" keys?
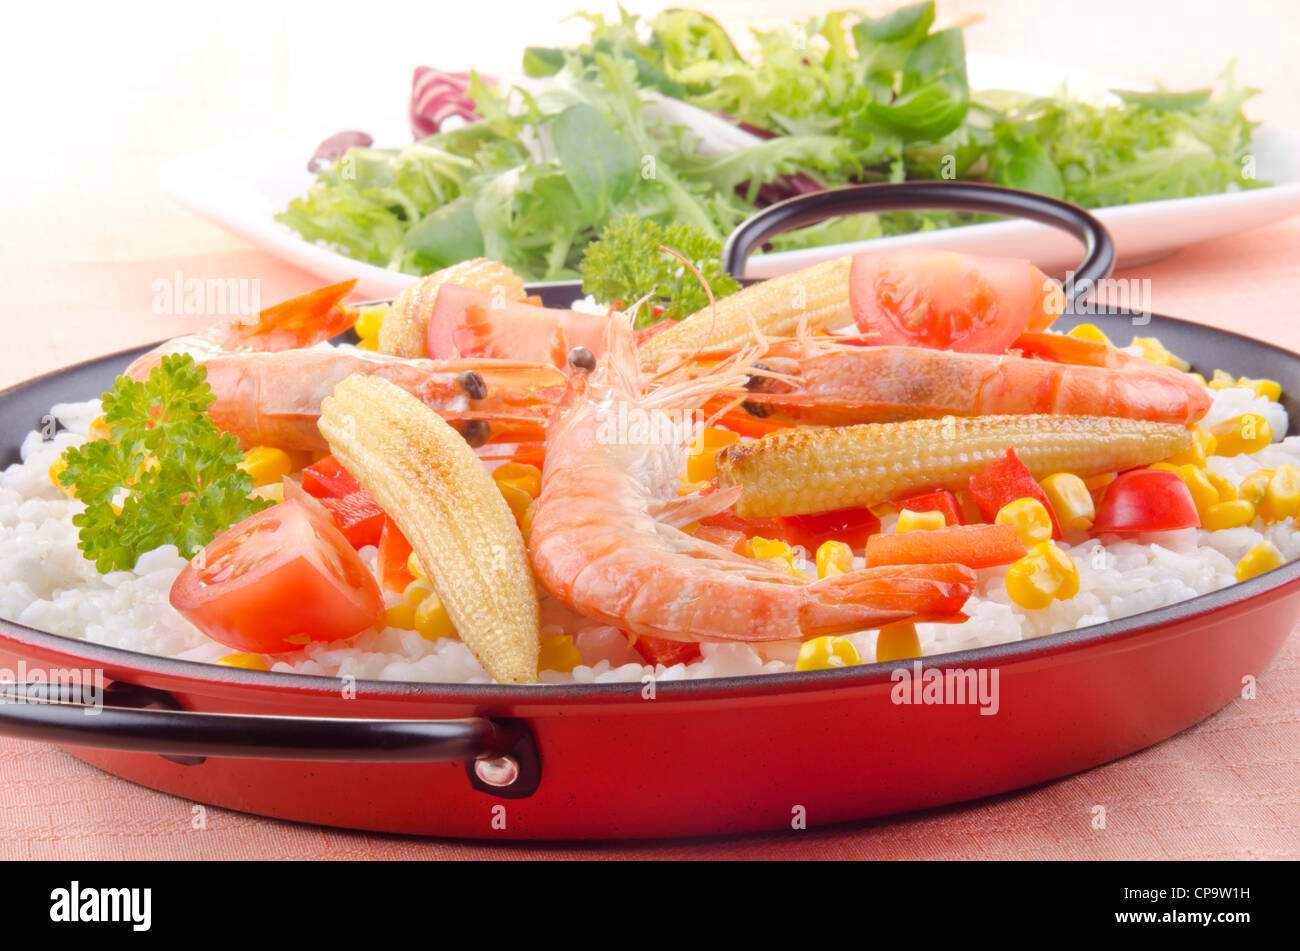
{"x": 474, "y": 431}
{"x": 472, "y": 382}
{"x": 580, "y": 358}
{"x": 756, "y": 382}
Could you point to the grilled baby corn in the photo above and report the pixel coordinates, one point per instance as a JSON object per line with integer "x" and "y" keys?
{"x": 819, "y": 294}
{"x": 406, "y": 324}
{"x": 799, "y": 471}
{"x": 426, "y": 477}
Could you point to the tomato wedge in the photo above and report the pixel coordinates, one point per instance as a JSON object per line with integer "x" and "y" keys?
{"x": 1146, "y": 500}
{"x": 276, "y": 581}
{"x": 471, "y": 323}
{"x": 949, "y": 301}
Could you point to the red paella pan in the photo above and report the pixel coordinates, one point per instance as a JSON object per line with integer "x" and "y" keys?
{"x": 669, "y": 758}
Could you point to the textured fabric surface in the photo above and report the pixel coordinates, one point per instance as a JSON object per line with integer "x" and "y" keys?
{"x": 82, "y": 241}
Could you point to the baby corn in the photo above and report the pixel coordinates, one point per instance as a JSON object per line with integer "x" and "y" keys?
{"x": 798, "y": 471}
{"x": 819, "y": 294}
{"x": 406, "y": 324}
{"x": 426, "y": 477}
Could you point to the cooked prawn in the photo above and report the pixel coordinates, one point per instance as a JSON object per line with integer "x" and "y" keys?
{"x": 605, "y": 536}
{"x": 818, "y": 382}
{"x": 268, "y": 377}
{"x": 274, "y": 399}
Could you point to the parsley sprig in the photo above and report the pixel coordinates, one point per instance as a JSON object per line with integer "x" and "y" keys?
{"x": 626, "y": 263}
{"x": 165, "y": 474}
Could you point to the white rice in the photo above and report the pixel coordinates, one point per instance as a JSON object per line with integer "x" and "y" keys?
{"x": 46, "y": 583}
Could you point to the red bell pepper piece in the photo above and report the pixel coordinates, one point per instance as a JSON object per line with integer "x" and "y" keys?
{"x": 851, "y": 526}
{"x": 975, "y": 546}
{"x": 394, "y": 557}
{"x": 327, "y": 479}
{"x": 657, "y": 650}
{"x": 358, "y": 516}
{"x": 940, "y": 500}
{"x": 1005, "y": 481}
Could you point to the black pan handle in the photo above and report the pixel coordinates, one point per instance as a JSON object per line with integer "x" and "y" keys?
{"x": 500, "y": 755}
{"x": 804, "y": 210}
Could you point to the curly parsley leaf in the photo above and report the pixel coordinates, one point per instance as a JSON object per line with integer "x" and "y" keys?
{"x": 165, "y": 474}
{"x": 627, "y": 263}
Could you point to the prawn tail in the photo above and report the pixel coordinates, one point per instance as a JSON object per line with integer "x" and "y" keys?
{"x": 691, "y": 508}
{"x": 889, "y": 594}
{"x": 301, "y": 321}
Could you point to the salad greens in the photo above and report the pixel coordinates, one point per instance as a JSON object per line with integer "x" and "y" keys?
{"x": 165, "y": 474}
{"x": 627, "y": 262}
{"x": 841, "y": 98}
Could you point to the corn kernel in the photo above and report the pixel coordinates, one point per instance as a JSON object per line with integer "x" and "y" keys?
{"x": 909, "y": 521}
{"x": 526, "y": 523}
{"x": 779, "y": 553}
{"x": 516, "y": 498}
{"x": 56, "y": 470}
{"x": 824, "y": 653}
{"x": 1089, "y": 332}
{"x": 431, "y": 620}
{"x": 1204, "y": 494}
{"x": 99, "y": 429}
{"x": 1282, "y": 498}
{"x": 1044, "y": 575}
{"x": 415, "y": 567}
{"x": 1255, "y": 485}
{"x": 1155, "y": 351}
{"x": 246, "y": 661}
{"x": 702, "y": 460}
{"x": 1228, "y": 515}
{"x": 1070, "y": 500}
{"x": 1249, "y": 432}
{"x": 521, "y": 476}
{"x": 557, "y": 652}
{"x": 266, "y": 464}
{"x": 1269, "y": 389}
{"x": 1223, "y": 485}
{"x": 1099, "y": 481}
{"x": 1030, "y": 519}
{"x": 1221, "y": 380}
{"x": 1203, "y": 446}
{"x": 413, "y": 594}
{"x": 897, "y": 642}
{"x": 1263, "y": 557}
{"x": 400, "y": 615}
{"x": 369, "y": 320}
{"x": 834, "y": 558}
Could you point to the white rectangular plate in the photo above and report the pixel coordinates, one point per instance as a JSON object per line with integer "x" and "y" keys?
{"x": 241, "y": 186}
